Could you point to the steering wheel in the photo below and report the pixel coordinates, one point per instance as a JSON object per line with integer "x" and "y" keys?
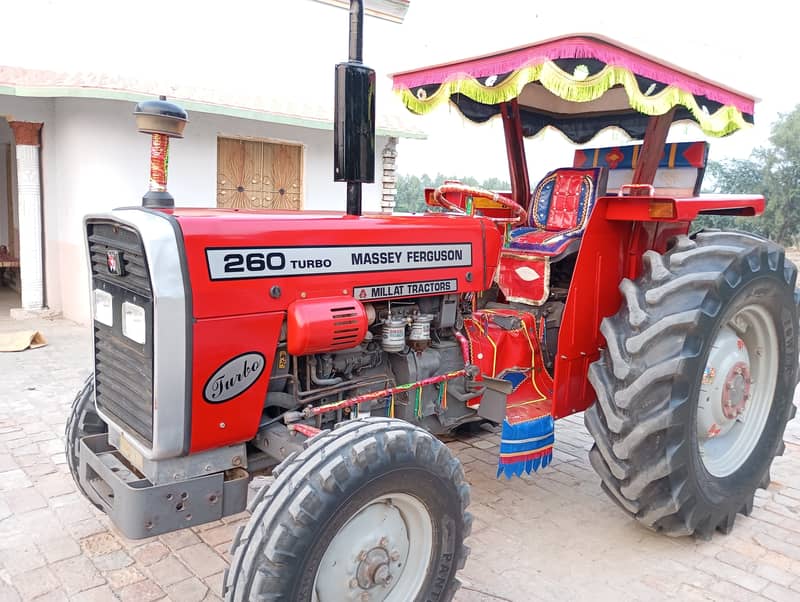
{"x": 441, "y": 192}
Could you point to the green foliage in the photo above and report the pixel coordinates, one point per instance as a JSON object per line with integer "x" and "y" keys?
{"x": 773, "y": 171}
{"x": 411, "y": 189}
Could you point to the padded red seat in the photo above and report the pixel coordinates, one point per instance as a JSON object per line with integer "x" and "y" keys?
{"x": 559, "y": 210}
{"x": 558, "y": 214}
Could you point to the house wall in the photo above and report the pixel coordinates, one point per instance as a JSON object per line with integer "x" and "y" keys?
{"x": 94, "y": 160}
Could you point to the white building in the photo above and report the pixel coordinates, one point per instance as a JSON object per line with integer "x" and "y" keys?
{"x": 69, "y": 145}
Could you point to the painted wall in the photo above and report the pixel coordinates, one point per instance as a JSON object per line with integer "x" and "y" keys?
{"x": 93, "y": 160}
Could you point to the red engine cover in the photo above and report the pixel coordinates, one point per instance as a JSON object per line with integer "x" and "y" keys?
{"x": 326, "y": 324}
{"x": 252, "y": 270}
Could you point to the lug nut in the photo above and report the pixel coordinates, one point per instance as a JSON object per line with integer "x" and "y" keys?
{"x": 353, "y": 583}
{"x": 382, "y": 575}
{"x": 395, "y": 556}
{"x": 384, "y": 542}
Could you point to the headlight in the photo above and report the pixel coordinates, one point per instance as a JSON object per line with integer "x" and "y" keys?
{"x": 133, "y": 323}
{"x": 103, "y": 307}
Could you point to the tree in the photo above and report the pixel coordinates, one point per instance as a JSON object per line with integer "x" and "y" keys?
{"x": 411, "y": 189}
{"x": 782, "y": 178}
{"x": 773, "y": 171}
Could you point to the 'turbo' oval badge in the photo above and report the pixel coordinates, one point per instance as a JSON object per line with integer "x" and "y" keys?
{"x": 234, "y": 377}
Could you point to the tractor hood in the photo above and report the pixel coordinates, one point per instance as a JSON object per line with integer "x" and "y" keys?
{"x": 243, "y": 262}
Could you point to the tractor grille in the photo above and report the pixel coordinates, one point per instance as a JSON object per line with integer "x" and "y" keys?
{"x": 110, "y": 237}
{"x": 123, "y": 367}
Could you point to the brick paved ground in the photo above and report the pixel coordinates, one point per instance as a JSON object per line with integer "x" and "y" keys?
{"x": 553, "y": 536}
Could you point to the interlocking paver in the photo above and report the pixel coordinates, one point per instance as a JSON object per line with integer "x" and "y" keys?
{"x": 550, "y": 536}
{"x": 77, "y": 574}
{"x": 113, "y": 561}
{"x": 202, "y": 559}
{"x": 150, "y": 553}
{"x": 780, "y": 594}
{"x": 102, "y": 593}
{"x": 37, "y": 582}
{"x": 123, "y": 577}
{"x": 189, "y": 590}
{"x": 143, "y": 591}
{"x": 168, "y": 571}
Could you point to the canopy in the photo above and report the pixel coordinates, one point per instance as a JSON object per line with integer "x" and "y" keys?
{"x": 578, "y": 84}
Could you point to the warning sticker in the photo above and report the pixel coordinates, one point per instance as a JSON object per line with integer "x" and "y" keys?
{"x": 406, "y": 289}
{"x": 269, "y": 262}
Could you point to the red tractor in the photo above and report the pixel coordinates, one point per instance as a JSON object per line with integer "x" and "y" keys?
{"x": 337, "y": 345}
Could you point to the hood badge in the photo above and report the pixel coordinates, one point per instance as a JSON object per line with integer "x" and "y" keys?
{"x": 114, "y": 262}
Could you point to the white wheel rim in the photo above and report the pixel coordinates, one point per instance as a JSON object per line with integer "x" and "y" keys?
{"x": 381, "y": 554}
{"x": 737, "y": 389}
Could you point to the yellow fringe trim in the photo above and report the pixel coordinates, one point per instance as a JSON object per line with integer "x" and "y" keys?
{"x": 724, "y": 121}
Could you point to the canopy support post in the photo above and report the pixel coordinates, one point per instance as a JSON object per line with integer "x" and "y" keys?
{"x": 655, "y": 137}
{"x": 515, "y": 149}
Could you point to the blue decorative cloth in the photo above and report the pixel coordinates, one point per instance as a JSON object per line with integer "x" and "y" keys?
{"x": 526, "y": 446}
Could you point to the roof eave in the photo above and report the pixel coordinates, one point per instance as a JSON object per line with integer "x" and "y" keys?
{"x": 194, "y": 105}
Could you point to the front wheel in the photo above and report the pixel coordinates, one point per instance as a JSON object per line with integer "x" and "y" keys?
{"x": 83, "y": 420}
{"x": 374, "y": 510}
{"x": 695, "y": 387}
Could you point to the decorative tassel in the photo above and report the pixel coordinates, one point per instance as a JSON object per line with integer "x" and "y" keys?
{"x": 526, "y": 446}
{"x": 724, "y": 120}
{"x": 418, "y": 402}
{"x": 443, "y": 390}
{"x": 391, "y": 407}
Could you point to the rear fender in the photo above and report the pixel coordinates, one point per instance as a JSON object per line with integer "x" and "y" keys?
{"x": 620, "y": 230}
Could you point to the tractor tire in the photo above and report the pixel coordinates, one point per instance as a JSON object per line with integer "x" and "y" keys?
{"x": 83, "y": 420}
{"x": 695, "y": 387}
{"x": 375, "y": 508}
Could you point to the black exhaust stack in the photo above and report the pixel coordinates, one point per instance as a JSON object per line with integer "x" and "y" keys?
{"x": 354, "y": 120}
{"x": 163, "y": 120}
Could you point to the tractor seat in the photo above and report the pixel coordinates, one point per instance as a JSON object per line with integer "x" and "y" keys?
{"x": 557, "y": 216}
{"x": 558, "y": 212}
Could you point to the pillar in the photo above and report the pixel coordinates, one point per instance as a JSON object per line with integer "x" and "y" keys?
{"x": 389, "y": 180}
{"x": 29, "y": 205}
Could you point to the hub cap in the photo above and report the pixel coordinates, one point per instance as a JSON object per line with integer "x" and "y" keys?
{"x": 737, "y": 388}
{"x": 381, "y": 554}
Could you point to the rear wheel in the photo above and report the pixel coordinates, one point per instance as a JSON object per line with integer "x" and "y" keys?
{"x": 695, "y": 387}
{"x": 372, "y": 511}
{"x": 83, "y": 420}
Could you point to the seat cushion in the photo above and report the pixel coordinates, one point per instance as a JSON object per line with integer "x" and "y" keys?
{"x": 544, "y": 242}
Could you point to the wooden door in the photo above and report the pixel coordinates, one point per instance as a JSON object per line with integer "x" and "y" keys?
{"x": 238, "y": 173}
{"x": 257, "y": 174}
{"x": 282, "y": 176}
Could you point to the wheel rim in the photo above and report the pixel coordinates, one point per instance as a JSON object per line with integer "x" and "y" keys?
{"x": 381, "y": 554}
{"x": 737, "y": 390}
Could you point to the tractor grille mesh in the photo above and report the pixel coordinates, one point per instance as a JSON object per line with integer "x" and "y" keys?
{"x": 108, "y": 237}
{"x": 123, "y": 368}
{"x": 346, "y": 323}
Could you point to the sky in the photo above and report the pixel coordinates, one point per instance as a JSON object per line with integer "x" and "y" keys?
{"x": 750, "y": 49}
{"x": 257, "y": 46}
